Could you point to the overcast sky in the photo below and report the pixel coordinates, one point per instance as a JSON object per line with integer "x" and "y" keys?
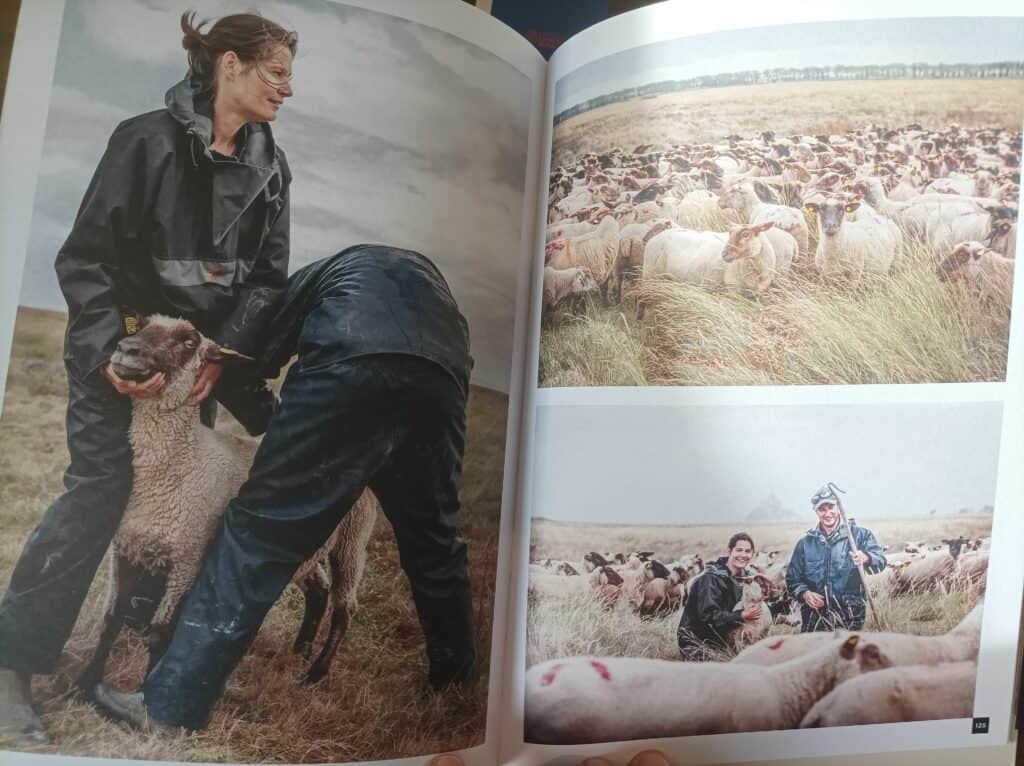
{"x": 397, "y": 133}
{"x": 702, "y": 465}
{"x": 932, "y": 41}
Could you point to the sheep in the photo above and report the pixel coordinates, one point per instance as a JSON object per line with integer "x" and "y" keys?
{"x": 560, "y": 284}
{"x": 184, "y": 476}
{"x": 629, "y": 257}
{"x": 897, "y": 694}
{"x": 989, "y": 274}
{"x": 563, "y": 230}
{"x": 755, "y": 590}
{"x": 743, "y": 198}
{"x": 689, "y": 256}
{"x": 594, "y": 252}
{"x": 752, "y": 252}
{"x": 959, "y": 644}
{"x": 663, "y": 595}
{"x": 850, "y": 247}
{"x": 1002, "y": 236}
{"x": 579, "y": 700}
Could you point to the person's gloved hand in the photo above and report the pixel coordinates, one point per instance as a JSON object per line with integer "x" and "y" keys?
{"x": 643, "y": 758}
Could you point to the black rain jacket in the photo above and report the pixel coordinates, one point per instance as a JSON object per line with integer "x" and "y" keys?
{"x": 366, "y": 300}
{"x": 710, "y": 614}
{"x": 168, "y": 226}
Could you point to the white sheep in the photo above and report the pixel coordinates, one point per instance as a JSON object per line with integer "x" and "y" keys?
{"x": 960, "y": 643}
{"x": 989, "y": 274}
{"x": 849, "y": 248}
{"x": 593, "y": 252}
{"x": 629, "y": 257}
{"x": 753, "y": 253}
{"x": 580, "y": 700}
{"x": 897, "y": 694}
{"x": 755, "y": 591}
{"x": 560, "y": 284}
{"x": 686, "y": 255}
{"x": 743, "y": 198}
{"x": 184, "y": 476}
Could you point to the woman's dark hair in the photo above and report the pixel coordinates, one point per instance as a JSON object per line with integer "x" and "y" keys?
{"x": 249, "y": 35}
{"x": 741, "y": 536}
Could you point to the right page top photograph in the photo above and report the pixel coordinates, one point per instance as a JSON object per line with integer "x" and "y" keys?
{"x": 831, "y": 203}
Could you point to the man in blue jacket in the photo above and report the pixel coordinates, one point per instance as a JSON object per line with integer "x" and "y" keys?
{"x": 822, "y": 573}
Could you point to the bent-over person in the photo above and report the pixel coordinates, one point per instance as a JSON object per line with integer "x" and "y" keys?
{"x": 377, "y": 397}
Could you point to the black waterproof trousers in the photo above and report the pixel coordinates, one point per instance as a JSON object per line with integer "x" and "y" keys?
{"x": 393, "y": 422}
{"x": 59, "y": 560}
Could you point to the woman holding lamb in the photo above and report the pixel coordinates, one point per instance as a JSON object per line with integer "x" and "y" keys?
{"x": 711, "y": 614}
{"x": 187, "y": 214}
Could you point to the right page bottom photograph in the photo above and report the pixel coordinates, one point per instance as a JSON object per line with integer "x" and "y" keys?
{"x": 707, "y": 569}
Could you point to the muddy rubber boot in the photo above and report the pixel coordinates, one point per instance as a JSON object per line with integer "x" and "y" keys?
{"x": 19, "y": 724}
{"x": 129, "y": 707}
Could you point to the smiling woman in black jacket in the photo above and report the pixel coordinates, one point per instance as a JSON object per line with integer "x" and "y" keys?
{"x": 187, "y": 215}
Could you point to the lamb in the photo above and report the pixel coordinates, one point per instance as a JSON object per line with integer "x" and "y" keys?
{"x": 989, "y": 274}
{"x": 959, "y": 644}
{"x": 851, "y": 247}
{"x": 897, "y": 694}
{"x": 579, "y": 700}
{"x": 560, "y": 284}
{"x": 743, "y": 198}
{"x": 184, "y": 476}
{"x": 755, "y": 590}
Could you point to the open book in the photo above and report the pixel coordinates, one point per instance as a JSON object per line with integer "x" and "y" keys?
{"x": 741, "y": 466}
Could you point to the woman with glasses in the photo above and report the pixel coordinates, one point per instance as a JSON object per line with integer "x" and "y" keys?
{"x": 186, "y": 215}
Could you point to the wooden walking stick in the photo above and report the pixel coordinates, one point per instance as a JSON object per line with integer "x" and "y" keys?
{"x": 836, "y": 491}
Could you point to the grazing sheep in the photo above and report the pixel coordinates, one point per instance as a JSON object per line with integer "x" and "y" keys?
{"x": 743, "y": 198}
{"x": 580, "y": 700}
{"x": 848, "y": 248}
{"x": 184, "y": 476}
{"x": 897, "y": 694}
{"x": 989, "y": 274}
{"x": 560, "y": 284}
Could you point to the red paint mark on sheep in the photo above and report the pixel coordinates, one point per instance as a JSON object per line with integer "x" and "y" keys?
{"x": 602, "y": 670}
{"x": 776, "y": 645}
{"x": 548, "y": 678}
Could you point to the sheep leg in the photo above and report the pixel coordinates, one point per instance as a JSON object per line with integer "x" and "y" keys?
{"x": 347, "y": 560}
{"x": 161, "y": 628}
{"x": 315, "y": 597}
{"x": 118, "y": 597}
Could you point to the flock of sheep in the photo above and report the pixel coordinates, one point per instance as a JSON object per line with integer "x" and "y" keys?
{"x": 615, "y": 217}
{"x": 816, "y": 677}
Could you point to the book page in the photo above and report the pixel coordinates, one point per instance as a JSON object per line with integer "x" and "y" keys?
{"x": 777, "y": 388}
{"x": 414, "y": 124}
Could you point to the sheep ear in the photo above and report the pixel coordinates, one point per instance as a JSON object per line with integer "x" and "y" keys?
{"x": 849, "y": 648}
{"x": 221, "y": 354}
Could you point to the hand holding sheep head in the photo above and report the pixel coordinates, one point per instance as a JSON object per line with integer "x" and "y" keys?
{"x": 167, "y": 357}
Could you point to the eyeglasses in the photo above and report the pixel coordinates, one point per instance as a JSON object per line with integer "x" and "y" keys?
{"x": 277, "y": 78}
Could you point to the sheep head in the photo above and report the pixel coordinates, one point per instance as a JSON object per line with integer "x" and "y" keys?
{"x": 171, "y": 346}
{"x": 831, "y": 212}
{"x": 953, "y": 265}
{"x": 740, "y": 239}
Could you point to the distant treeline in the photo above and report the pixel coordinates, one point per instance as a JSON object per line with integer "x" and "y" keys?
{"x": 997, "y": 69}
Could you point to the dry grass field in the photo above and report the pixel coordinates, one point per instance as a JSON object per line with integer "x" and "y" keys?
{"x": 699, "y": 116}
{"x": 904, "y": 327}
{"x": 374, "y": 705}
{"x": 577, "y": 624}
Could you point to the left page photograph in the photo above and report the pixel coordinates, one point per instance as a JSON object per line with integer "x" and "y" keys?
{"x": 261, "y": 291}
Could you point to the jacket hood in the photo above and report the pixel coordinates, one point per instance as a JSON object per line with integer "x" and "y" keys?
{"x": 194, "y": 111}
